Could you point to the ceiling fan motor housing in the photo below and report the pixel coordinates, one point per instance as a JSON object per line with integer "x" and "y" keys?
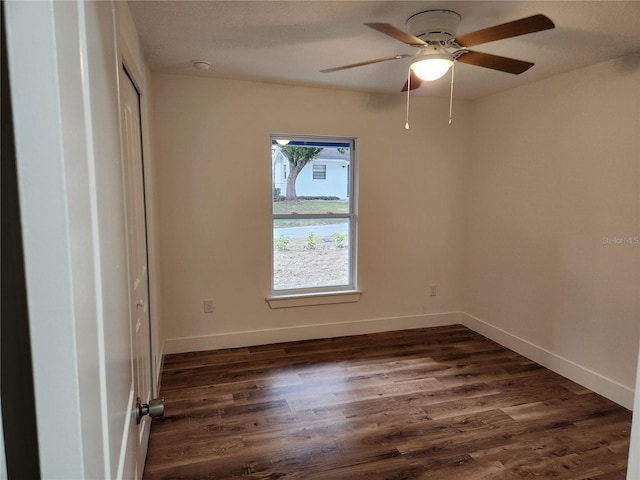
{"x": 434, "y": 25}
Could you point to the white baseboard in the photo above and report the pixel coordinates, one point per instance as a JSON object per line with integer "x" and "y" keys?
{"x": 158, "y": 373}
{"x": 306, "y": 332}
{"x": 606, "y": 387}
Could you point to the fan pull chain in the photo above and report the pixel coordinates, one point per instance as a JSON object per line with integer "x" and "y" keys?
{"x": 406, "y": 125}
{"x": 453, "y": 68}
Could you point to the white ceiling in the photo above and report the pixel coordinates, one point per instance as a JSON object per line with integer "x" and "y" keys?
{"x": 288, "y": 42}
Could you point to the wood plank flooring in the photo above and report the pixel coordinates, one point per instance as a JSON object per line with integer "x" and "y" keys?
{"x": 439, "y": 403}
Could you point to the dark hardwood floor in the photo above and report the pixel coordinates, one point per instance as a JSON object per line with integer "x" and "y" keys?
{"x": 438, "y": 403}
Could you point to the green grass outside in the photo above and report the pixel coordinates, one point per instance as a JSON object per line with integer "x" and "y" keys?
{"x": 309, "y": 206}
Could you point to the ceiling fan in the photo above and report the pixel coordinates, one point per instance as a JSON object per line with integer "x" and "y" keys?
{"x": 433, "y": 32}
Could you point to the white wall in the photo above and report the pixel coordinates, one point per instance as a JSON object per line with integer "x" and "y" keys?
{"x": 553, "y": 174}
{"x": 214, "y": 190}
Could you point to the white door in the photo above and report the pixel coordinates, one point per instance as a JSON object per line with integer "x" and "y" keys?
{"x": 137, "y": 248}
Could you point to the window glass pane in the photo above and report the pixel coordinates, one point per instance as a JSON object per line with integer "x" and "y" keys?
{"x": 309, "y": 253}
{"x": 310, "y": 177}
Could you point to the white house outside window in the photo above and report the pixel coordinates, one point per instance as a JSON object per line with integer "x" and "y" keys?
{"x": 313, "y": 214}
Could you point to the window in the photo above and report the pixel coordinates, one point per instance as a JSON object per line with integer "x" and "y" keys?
{"x": 314, "y": 222}
{"x": 319, "y": 172}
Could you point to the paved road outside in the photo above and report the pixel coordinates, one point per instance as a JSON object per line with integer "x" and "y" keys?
{"x": 318, "y": 230}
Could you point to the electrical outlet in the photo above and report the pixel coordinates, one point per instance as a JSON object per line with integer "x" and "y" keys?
{"x": 208, "y": 306}
{"x": 433, "y": 290}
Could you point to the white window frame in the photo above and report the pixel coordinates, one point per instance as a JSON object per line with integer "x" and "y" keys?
{"x": 320, "y": 168}
{"x": 346, "y": 293}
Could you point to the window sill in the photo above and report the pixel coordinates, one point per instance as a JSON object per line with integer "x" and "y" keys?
{"x": 308, "y": 299}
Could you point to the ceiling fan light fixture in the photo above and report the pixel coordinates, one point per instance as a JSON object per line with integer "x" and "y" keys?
{"x": 432, "y": 66}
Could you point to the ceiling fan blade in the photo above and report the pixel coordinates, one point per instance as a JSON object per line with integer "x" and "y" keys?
{"x": 360, "y": 64}
{"x": 396, "y": 33}
{"x": 535, "y": 23}
{"x": 416, "y": 81}
{"x": 495, "y": 62}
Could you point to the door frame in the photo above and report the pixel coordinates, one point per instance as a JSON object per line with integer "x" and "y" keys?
{"x": 67, "y": 133}
{"x": 45, "y": 99}
{"x": 18, "y": 420}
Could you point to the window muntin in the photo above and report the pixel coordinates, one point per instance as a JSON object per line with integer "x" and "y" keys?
{"x": 314, "y": 226}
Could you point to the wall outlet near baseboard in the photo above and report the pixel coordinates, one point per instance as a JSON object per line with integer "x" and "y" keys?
{"x": 433, "y": 290}
{"x": 208, "y": 306}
